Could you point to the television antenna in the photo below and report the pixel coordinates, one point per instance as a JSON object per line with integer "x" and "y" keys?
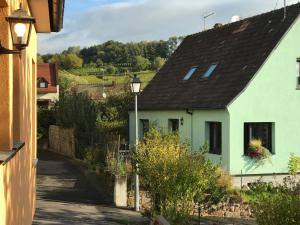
{"x": 205, "y": 16}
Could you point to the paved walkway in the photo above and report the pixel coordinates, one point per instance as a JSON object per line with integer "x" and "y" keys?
{"x": 65, "y": 198}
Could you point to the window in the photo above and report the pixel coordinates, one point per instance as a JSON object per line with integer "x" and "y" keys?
{"x": 42, "y": 85}
{"x": 173, "y": 125}
{"x": 298, "y": 73}
{"x": 144, "y": 127}
{"x": 215, "y": 137}
{"x": 190, "y": 73}
{"x": 210, "y": 70}
{"x": 262, "y": 131}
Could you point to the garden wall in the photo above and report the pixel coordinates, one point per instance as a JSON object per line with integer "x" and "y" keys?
{"x": 223, "y": 209}
{"x": 62, "y": 141}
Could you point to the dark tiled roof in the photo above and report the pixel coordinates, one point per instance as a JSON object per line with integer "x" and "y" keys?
{"x": 48, "y": 72}
{"x": 239, "y": 48}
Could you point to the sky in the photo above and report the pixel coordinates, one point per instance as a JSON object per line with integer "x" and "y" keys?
{"x": 91, "y": 22}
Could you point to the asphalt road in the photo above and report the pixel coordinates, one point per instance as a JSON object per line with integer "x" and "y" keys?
{"x": 64, "y": 197}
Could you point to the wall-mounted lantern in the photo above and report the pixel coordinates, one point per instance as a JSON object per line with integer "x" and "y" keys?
{"x": 20, "y": 27}
{"x": 181, "y": 121}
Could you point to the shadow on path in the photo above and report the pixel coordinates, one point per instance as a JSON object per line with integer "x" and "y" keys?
{"x": 65, "y": 197}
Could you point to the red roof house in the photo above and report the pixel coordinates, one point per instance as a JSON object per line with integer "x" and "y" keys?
{"x": 47, "y": 84}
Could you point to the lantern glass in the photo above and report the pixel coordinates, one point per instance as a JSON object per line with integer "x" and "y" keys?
{"x": 20, "y": 33}
{"x": 135, "y": 85}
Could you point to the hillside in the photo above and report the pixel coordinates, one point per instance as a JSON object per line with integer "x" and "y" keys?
{"x": 72, "y": 78}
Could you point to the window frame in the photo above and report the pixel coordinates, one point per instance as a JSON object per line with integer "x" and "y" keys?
{"x": 214, "y": 136}
{"x": 270, "y": 135}
{"x": 42, "y": 82}
{"x": 190, "y": 73}
{"x": 210, "y": 70}
{"x": 170, "y": 125}
{"x": 142, "y": 127}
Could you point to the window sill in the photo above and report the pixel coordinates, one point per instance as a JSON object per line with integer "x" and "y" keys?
{"x": 6, "y": 156}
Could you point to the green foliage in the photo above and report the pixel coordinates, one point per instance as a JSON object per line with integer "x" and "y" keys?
{"x": 139, "y": 63}
{"x": 158, "y": 62}
{"x": 116, "y": 167}
{"x": 40, "y": 59}
{"x": 69, "y": 61}
{"x": 174, "y": 175}
{"x": 94, "y": 157}
{"x": 278, "y": 209}
{"x": 118, "y": 54}
{"x": 111, "y": 69}
{"x": 45, "y": 118}
{"x": 294, "y": 164}
{"x": 78, "y": 111}
{"x": 113, "y": 114}
{"x": 275, "y": 204}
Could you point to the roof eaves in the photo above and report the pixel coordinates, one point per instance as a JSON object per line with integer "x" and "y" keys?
{"x": 56, "y": 12}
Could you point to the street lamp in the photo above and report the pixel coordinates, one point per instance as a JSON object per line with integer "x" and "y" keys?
{"x": 20, "y": 27}
{"x": 136, "y": 89}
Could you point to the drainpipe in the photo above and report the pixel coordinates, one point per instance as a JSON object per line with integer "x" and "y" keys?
{"x": 190, "y": 112}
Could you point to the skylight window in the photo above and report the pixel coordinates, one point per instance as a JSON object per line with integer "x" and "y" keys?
{"x": 190, "y": 73}
{"x": 210, "y": 70}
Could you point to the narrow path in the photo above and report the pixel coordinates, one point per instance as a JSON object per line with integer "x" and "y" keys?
{"x": 65, "y": 197}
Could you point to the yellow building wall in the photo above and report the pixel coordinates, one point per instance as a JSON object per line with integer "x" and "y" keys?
{"x": 17, "y": 123}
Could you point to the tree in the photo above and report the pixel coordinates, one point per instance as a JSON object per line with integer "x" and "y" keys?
{"x": 72, "y": 50}
{"x": 158, "y": 62}
{"x": 40, "y": 59}
{"x": 111, "y": 69}
{"x": 139, "y": 63}
{"x": 70, "y": 61}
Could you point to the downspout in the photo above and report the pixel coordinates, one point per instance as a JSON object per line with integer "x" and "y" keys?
{"x": 190, "y": 112}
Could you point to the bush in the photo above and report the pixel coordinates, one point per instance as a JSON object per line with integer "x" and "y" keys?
{"x": 78, "y": 111}
{"x": 111, "y": 69}
{"x": 278, "y": 204}
{"x": 294, "y": 165}
{"x": 45, "y": 118}
{"x": 94, "y": 157}
{"x": 174, "y": 175}
{"x": 278, "y": 209}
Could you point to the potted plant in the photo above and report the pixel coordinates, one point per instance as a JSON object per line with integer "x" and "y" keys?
{"x": 118, "y": 168}
{"x": 257, "y": 151}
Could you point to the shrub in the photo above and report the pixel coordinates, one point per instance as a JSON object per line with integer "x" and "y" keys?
{"x": 174, "y": 175}
{"x": 94, "y": 157}
{"x": 278, "y": 209}
{"x": 294, "y": 164}
{"x": 78, "y": 111}
{"x": 111, "y": 69}
{"x": 45, "y": 118}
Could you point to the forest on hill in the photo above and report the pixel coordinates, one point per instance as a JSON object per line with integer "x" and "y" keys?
{"x": 114, "y": 57}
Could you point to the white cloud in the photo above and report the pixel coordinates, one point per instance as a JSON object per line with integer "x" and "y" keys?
{"x": 135, "y": 20}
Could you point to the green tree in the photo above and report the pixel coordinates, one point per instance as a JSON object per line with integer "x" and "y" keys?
{"x": 139, "y": 63}
{"x": 158, "y": 62}
{"x": 70, "y": 61}
{"x": 111, "y": 69}
{"x": 40, "y": 59}
{"x": 78, "y": 111}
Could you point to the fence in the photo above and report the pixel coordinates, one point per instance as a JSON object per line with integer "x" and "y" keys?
{"x": 62, "y": 141}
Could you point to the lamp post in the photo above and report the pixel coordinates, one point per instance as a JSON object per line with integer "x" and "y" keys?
{"x": 20, "y": 27}
{"x": 136, "y": 88}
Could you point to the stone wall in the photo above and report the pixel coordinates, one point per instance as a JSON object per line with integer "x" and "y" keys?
{"x": 223, "y": 209}
{"x": 62, "y": 141}
{"x": 145, "y": 200}
{"x": 226, "y": 209}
